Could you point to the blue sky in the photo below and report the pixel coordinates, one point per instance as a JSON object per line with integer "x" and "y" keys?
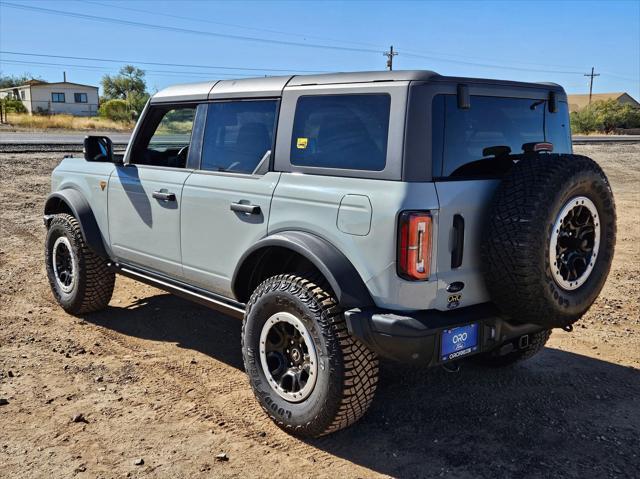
{"x": 520, "y": 40}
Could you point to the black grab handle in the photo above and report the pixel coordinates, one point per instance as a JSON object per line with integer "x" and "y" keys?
{"x": 458, "y": 241}
{"x": 245, "y": 208}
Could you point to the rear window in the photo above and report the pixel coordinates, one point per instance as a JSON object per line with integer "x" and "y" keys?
{"x": 461, "y": 137}
{"x": 341, "y": 131}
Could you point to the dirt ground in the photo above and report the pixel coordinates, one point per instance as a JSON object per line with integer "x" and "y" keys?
{"x": 160, "y": 379}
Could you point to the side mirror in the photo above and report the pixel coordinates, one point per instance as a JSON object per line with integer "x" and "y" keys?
{"x": 98, "y": 148}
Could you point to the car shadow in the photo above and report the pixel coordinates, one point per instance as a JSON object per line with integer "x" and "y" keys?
{"x": 166, "y": 317}
{"x": 559, "y": 414}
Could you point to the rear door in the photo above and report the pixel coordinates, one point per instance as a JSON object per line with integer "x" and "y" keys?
{"x": 226, "y": 201}
{"x": 472, "y": 149}
{"x": 145, "y": 195}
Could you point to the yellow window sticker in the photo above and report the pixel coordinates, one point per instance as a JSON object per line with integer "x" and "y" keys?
{"x": 302, "y": 143}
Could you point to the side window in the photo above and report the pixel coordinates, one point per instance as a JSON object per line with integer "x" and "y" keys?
{"x": 341, "y": 131}
{"x": 165, "y": 136}
{"x": 57, "y": 97}
{"x": 238, "y": 135}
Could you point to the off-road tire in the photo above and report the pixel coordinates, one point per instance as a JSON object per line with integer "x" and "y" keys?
{"x": 94, "y": 284}
{"x": 515, "y": 249}
{"x": 492, "y": 359}
{"x": 348, "y": 370}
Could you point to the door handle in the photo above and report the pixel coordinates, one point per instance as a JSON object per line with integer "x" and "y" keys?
{"x": 164, "y": 196}
{"x": 245, "y": 208}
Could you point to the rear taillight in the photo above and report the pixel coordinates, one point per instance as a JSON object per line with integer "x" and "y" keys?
{"x": 414, "y": 245}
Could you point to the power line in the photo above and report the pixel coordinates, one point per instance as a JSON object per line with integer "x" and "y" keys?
{"x": 182, "y": 65}
{"x": 426, "y": 55}
{"x": 248, "y": 38}
{"x": 277, "y": 42}
{"x": 184, "y": 30}
{"x": 99, "y": 68}
{"x": 233, "y": 25}
{"x": 489, "y": 65}
{"x": 477, "y": 58}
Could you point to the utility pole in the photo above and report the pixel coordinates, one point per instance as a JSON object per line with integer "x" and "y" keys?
{"x": 591, "y": 75}
{"x": 390, "y": 54}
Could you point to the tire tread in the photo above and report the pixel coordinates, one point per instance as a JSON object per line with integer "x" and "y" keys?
{"x": 360, "y": 364}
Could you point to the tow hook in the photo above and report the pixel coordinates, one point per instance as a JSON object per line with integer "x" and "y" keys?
{"x": 523, "y": 342}
{"x": 451, "y": 367}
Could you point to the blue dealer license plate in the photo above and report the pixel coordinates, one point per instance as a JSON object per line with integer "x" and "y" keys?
{"x": 458, "y": 342}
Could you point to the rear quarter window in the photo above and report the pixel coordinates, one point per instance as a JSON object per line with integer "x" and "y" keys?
{"x": 461, "y": 137}
{"x": 341, "y": 131}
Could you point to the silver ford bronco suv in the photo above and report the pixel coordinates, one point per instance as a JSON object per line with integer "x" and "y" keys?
{"x": 345, "y": 217}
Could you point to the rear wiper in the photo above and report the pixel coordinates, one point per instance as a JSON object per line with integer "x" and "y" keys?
{"x": 535, "y": 104}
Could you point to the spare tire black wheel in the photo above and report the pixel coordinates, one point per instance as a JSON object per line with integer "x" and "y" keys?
{"x": 549, "y": 239}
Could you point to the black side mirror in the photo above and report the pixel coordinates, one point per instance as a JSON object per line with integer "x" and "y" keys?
{"x": 98, "y": 148}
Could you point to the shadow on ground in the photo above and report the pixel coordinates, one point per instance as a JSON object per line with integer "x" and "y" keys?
{"x": 557, "y": 415}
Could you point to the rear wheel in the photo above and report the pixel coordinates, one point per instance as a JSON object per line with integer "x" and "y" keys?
{"x": 306, "y": 371}
{"x": 80, "y": 280}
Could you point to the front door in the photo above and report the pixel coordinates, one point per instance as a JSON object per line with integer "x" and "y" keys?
{"x": 145, "y": 195}
{"x": 226, "y": 203}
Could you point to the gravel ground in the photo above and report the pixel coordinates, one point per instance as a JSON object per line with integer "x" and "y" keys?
{"x": 154, "y": 387}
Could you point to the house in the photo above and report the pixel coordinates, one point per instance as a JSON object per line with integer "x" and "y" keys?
{"x": 578, "y": 102}
{"x": 55, "y": 98}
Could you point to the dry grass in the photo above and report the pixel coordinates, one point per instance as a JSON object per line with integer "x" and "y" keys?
{"x": 66, "y": 122}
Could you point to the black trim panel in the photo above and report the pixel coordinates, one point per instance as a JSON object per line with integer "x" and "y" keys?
{"x": 350, "y": 290}
{"x": 413, "y": 337}
{"x": 81, "y": 210}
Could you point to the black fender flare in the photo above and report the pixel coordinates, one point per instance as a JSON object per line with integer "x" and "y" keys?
{"x": 81, "y": 210}
{"x": 342, "y": 276}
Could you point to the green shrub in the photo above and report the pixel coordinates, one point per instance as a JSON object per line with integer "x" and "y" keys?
{"x": 605, "y": 117}
{"x": 116, "y": 110}
{"x": 13, "y": 106}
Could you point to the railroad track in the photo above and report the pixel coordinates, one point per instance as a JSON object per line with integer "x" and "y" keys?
{"x": 10, "y": 147}
{"x": 46, "y": 147}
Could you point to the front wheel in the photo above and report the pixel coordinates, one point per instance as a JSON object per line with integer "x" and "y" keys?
{"x": 80, "y": 280}
{"x": 306, "y": 371}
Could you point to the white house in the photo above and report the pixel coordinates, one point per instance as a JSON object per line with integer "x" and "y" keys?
{"x": 55, "y": 98}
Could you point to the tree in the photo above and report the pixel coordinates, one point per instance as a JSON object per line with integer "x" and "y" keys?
{"x": 605, "y": 116}
{"x": 8, "y": 81}
{"x": 116, "y": 110}
{"x": 129, "y": 85}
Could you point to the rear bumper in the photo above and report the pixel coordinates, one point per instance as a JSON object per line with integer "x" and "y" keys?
{"x": 414, "y": 337}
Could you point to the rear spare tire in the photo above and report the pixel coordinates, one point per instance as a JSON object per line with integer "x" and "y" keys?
{"x": 549, "y": 239}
